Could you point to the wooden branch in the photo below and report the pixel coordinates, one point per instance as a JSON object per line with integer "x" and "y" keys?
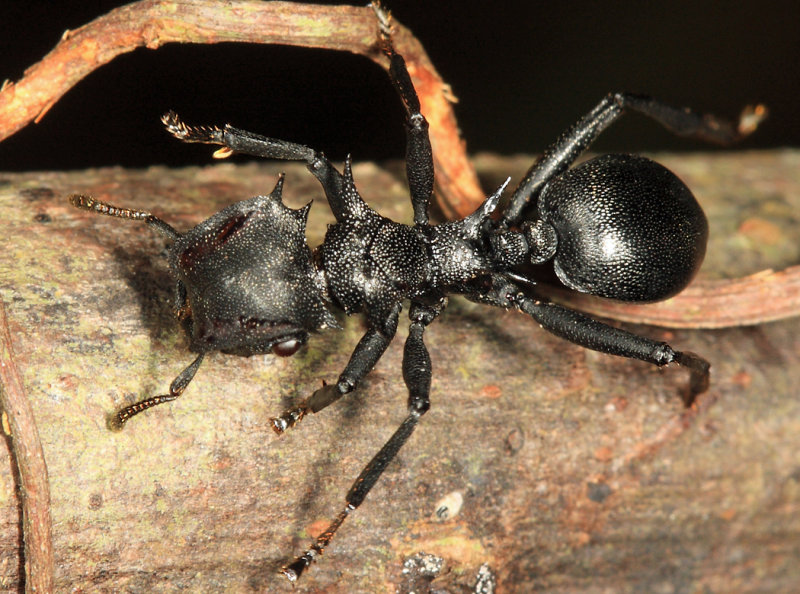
{"x": 152, "y": 23}
{"x": 578, "y": 471}
{"x": 34, "y": 488}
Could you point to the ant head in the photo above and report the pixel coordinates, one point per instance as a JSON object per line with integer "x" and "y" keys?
{"x": 626, "y": 228}
{"x": 249, "y": 281}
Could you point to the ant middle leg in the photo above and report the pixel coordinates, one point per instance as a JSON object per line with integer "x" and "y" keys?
{"x": 419, "y": 157}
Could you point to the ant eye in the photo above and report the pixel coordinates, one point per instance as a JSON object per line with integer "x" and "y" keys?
{"x": 287, "y": 348}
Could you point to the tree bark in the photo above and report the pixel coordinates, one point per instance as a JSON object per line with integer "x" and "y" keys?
{"x": 578, "y": 471}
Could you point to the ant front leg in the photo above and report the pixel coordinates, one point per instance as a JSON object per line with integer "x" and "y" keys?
{"x": 233, "y": 140}
{"x": 595, "y": 335}
{"x": 417, "y": 376}
{"x": 366, "y": 354}
{"x": 572, "y": 143}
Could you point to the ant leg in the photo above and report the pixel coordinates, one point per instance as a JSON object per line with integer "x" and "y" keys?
{"x": 592, "y": 334}
{"x": 176, "y": 388}
{"x": 343, "y": 198}
{"x": 595, "y": 335}
{"x": 417, "y": 376}
{"x": 572, "y": 143}
{"x": 366, "y": 354}
{"x": 419, "y": 158}
{"x": 234, "y": 140}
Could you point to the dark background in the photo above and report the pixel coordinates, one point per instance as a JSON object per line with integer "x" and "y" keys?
{"x": 523, "y": 72}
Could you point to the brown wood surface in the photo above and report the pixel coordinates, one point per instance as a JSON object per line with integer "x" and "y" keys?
{"x": 579, "y": 472}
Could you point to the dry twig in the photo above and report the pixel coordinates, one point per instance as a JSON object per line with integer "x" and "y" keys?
{"x": 27, "y": 451}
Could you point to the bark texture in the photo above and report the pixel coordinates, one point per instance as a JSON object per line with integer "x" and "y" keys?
{"x": 578, "y": 471}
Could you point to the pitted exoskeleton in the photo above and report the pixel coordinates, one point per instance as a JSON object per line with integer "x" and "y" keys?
{"x": 617, "y": 226}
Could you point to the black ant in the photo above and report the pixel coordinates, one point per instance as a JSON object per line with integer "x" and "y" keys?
{"x": 617, "y": 226}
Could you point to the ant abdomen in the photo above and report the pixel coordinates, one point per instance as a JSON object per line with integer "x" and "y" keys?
{"x": 627, "y": 228}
